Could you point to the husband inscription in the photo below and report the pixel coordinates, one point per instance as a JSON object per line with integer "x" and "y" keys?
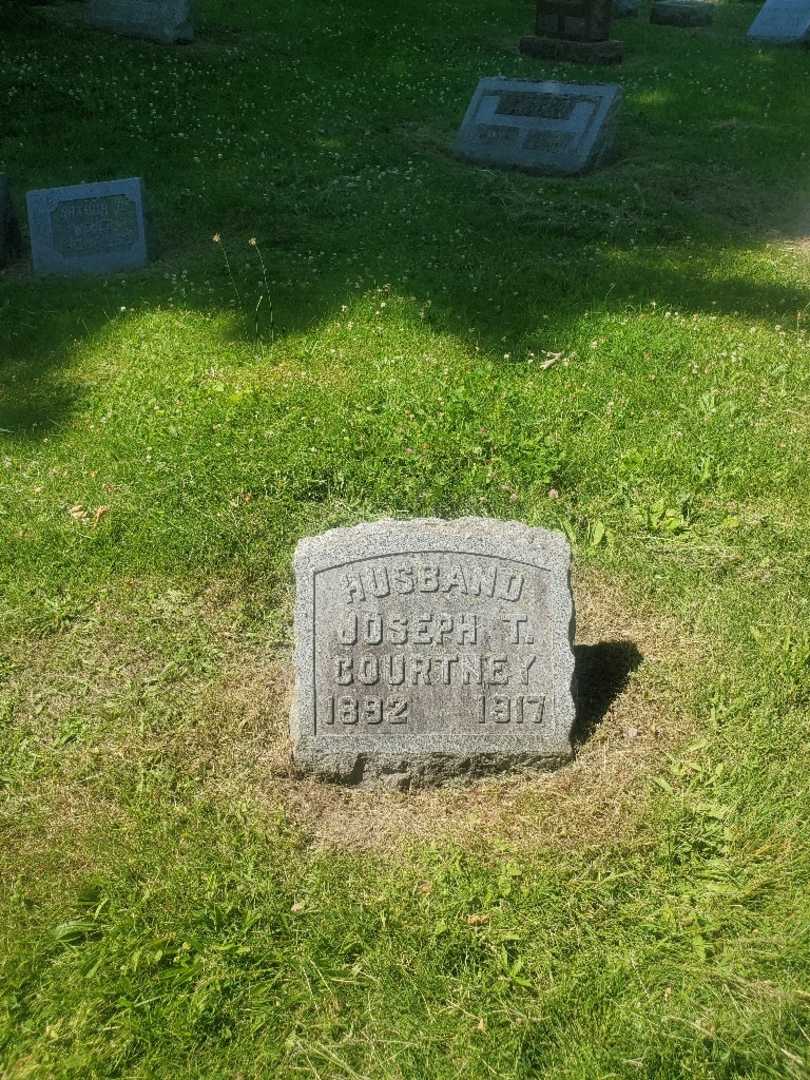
{"x": 429, "y": 648}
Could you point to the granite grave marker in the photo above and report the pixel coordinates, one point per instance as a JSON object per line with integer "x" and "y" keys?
{"x": 782, "y": 22}
{"x": 576, "y": 30}
{"x": 542, "y": 127}
{"x": 165, "y": 21}
{"x": 87, "y": 228}
{"x": 427, "y": 649}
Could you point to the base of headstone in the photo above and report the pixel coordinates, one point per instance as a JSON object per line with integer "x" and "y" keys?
{"x": 10, "y": 236}
{"x": 682, "y": 13}
{"x": 576, "y": 52}
{"x": 416, "y": 771}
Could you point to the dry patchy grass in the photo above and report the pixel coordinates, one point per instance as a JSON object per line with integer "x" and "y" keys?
{"x": 176, "y": 687}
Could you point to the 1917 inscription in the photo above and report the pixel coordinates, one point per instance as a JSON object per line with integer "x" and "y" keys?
{"x": 430, "y": 648}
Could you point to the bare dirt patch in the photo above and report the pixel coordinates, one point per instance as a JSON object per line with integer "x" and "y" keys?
{"x": 177, "y": 686}
{"x": 631, "y": 667}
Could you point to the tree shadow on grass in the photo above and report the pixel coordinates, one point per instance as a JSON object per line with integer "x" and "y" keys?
{"x": 503, "y": 262}
{"x": 602, "y": 673}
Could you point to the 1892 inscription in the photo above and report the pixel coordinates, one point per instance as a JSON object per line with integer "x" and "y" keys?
{"x": 445, "y": 642}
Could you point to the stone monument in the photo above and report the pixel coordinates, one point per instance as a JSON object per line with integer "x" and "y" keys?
{"x": 427, "y": 649}
{"x": 165, "y": 21}
{"x": 577, "y": 30}
{"x": 10, "y": 238}
{"x": 682, "y": 12}
{"x": 782, "y": 22}
{"x": 87, "y": 228}
{"x": 541, "y": 127}
{"x": 624, "y": 9}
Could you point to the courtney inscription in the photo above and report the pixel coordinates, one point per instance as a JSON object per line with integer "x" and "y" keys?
{"x": 453, "y": 651}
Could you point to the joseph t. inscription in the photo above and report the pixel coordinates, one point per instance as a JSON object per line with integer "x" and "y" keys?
{"x": 428, "y": 648}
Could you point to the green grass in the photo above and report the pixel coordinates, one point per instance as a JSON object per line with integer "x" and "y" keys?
{"x": 623, "y": 356}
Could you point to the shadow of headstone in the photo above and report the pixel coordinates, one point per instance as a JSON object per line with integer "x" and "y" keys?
{"x": 602, "y": 672}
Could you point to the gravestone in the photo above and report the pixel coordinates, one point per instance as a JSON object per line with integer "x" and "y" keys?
{"x": 427, "y": 649}
{"x": 165, "y": 21}
{"x": 10, "y": 238}
{"x": 577, "y": 30}
{"x": 682, "y": 13}
{"x": 542, "y": 127}
{"x": 88, "y": 228}
{"x": 782, "y": 22}
{"x": 623, "y": 9}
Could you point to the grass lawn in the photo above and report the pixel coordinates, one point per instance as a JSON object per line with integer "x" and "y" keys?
{"x": 623, "y": 356}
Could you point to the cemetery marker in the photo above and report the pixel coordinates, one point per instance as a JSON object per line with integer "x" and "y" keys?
{"x": 542, "y": 127}
{"x": 576, "y": 30}
{"x": 87, "y": 228}
{"x": 427, "y": 649}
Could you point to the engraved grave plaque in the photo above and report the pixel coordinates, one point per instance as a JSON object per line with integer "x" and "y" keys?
{"x": 87, "y": 228}
{"x": 542, "y": 127}
{"x": 427, "y": 649}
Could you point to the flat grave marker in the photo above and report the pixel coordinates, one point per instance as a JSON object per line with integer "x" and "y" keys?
{"x": 542, "y": 127}
{"x": 164, "y": 21}
{"x": 427, "y": 649}
{"x": 88, "y": 228}
{"x": 782, "y": 22}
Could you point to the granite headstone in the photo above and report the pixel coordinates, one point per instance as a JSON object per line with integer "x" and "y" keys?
{"x": 87, "y": 228}
{"x": 575, "y": 30}
{"x": 427, "y": 649}
{"x": 782, "y": 22}
{"x": 10, "y": 238}
{"x": 165, "y": 21}
{"x": 542, "y": 127}
{"x": 623, "y": 9}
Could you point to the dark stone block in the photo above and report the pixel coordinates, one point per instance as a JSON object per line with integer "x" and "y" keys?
{"x": 574, "y": 20}
{"x": 682, "y": 13}
{"x": 577, "y": 52}
{"x": 10, "y": 237}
